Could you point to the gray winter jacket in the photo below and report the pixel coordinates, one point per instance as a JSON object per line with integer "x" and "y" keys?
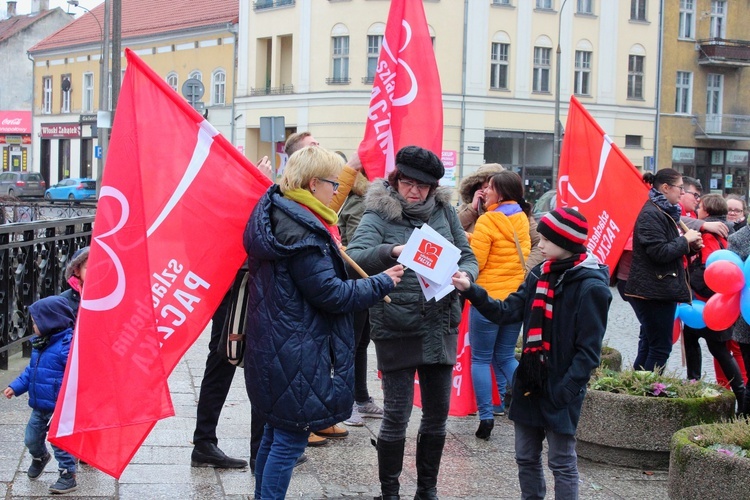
{"x": 409, "y": 331}
{"x": 739, "y": 243}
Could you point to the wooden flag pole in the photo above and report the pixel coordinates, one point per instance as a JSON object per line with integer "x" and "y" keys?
{"x": 359, "y": 270}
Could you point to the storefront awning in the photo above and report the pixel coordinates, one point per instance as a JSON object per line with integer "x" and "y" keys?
{"x": 15, "y": 122}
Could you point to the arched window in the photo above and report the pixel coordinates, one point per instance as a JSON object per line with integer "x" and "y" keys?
{"x": 218, "y": 86}
{"x": 374, "y": 43}
{"x": 499, "y": 61}
{"x": 636, "y": 59}
{"x": 340, "y": 55}
{"x": 542, "y": 63}
{"x": 172, "y": 80}
{"x": 196, "y": 74}
{"x": 582, "y": 75}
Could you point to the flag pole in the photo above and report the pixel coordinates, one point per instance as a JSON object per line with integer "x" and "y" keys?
{"x": 359, "y": 270}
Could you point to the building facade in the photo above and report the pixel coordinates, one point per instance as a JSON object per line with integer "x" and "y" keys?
{"x": 179, "y": 39}
{"x": 496, "y": 58}
{"x": 704, "y": 111}
{"x": 17, "y": 34}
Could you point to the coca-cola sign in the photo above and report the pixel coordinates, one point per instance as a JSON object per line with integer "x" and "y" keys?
{"x": 15, "y": 122}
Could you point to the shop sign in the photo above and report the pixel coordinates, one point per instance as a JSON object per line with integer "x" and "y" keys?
{"x": 737, "y": 157}
{"x": 87, "y": 118}
{"x": 15, "y": 122}
{"x": 61, "y": 130}
{"x": 683, "y": 155}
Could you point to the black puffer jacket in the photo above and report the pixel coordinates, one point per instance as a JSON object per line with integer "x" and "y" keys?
{"x": 299, "y": 363}
{"x": 658, "y": 268}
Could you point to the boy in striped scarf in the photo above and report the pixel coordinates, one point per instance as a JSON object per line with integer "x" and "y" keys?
{"x": 564, "y": 304}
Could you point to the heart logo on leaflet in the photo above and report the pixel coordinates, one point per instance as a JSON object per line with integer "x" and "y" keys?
{"x": 428, "y": 254}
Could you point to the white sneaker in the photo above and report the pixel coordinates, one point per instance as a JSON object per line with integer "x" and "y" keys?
{"x": 356, "y": 419}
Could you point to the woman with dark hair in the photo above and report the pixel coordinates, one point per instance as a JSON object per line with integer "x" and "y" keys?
{"x": 737, "y": 211}
{"x": 658, "y": 278}
{"x": 299, "y": 359}
{"x": 411, "y": 334}
{"x": 501, "y": 244}
{"x": 711, "y": 207}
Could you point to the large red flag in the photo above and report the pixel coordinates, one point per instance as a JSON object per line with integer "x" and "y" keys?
{"x": 406, "y": 103}
{"x": 598, "y": 180}
{"x": 166, "y": 245}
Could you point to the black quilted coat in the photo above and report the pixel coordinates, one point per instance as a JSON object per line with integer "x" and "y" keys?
{"x": 299, "y": 364}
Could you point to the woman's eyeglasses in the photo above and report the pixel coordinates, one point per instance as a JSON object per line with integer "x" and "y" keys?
{"x": 411, "y": 184}
{"x": 681, "y": 188}
{"x": 332, "y": 183}
{"x": 735, "y": 210}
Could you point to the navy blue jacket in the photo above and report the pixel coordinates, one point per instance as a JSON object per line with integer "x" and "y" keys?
{"x": 579, "y": 320}
{"x": 299, "y": 362}
{"x": 43, "y": 377}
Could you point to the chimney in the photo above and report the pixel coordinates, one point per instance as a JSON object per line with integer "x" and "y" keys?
{"x": 11, "y": 8}
{"x": 39, "y": 6}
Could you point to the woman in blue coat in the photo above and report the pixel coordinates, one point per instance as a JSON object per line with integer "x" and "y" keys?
{"x": 299, "y": 363}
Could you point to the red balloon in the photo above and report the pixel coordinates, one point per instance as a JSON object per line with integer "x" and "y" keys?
{"x": 722, "y": 310}
{"x": 723, "y": 276}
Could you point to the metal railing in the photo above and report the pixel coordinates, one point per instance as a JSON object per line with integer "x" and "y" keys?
{"x": 33, "y": 256}
{"x": 284, "y": 89}
{"x": 725, "y": 52}
{"x": 724, "y": 125}
{"x": 338, "y": 81}
{"x": 270, "y": 4}
{"x": 368, "y": 80}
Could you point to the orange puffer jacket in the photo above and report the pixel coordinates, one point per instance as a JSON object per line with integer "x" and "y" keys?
{"x": 493, "y": 243}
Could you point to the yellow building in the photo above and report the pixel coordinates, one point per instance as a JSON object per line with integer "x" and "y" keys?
{"x": 704, "y": 111}
{"x": 312, "y": 62}
{"x": 179, "y": 39}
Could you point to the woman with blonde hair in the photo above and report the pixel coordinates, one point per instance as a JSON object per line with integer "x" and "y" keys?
{"x": 298, "y": 362}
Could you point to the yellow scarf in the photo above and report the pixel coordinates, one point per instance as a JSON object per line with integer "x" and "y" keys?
{"x": 306, "y": 198}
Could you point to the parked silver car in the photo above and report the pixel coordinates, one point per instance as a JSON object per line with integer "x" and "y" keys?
{"x": 22, "y": 184}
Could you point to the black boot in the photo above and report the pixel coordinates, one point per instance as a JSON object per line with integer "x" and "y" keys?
{"x": 429, "y": 453}
{"x": 390, "y": 463}
{"x": 207, "y": 454}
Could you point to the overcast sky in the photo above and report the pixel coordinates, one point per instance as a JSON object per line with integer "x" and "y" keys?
{"x": 24, "y": 6}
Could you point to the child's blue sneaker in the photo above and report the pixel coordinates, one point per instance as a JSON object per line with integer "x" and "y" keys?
{"x": 498, "y": 411}
{"x": 65, "y": 483}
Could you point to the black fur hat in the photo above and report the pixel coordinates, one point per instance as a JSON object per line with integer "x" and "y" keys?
{"x": 420, "y": 164}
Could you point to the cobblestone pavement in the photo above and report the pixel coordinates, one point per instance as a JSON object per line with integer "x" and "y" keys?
{"x": 471, "y": 468}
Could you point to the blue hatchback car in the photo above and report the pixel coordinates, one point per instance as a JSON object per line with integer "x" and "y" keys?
{"x": 72, "y": 190}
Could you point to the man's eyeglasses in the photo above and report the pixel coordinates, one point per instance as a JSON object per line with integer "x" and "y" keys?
{"x": 411, "y": 184}
{"x": 681, "y": 188}
{"x": 696, "y": 195}
{"x": 332, "y": 183}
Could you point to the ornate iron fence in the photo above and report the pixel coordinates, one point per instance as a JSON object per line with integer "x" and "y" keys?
{"x": 33, "y": 256}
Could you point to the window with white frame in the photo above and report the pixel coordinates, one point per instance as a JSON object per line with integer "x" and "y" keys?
{"x": 172, "y": 80}
{"x": 219, "y": 86}
{"x": 374, "y": 42}
{"x": 499, "y": 66}
{"x": 585, "y": 6}
{"x": 638, "y": 10}
{"x": 197, "y": 75}
{"x": 88, "y": 93}
{"x": 635, "y": 76}
{"x": 582, "y": 83}
{"x": 718, "y": 19}
{"x": 544, "y": 4}
{"x": 687, "y": 19}
{"x": 542, "y": 58}
{"x": 340, "y": 57}
{"x": 65, "y": 94}
{"x": 500, "y": 2}
{"x": 683, "y": 97}
{"x": 47, "y": 95}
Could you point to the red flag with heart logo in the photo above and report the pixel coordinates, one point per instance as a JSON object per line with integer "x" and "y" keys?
{"x": 166, "y": 245}
{"x": 593, "y": 173}
{"x": 406, "y": 103}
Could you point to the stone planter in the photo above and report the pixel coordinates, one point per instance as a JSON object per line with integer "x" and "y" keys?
{"x": 635, "y": 431}
{"x": 697, "y": 472}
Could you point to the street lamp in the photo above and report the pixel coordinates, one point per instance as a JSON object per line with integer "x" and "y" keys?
{"x": 556, "y": 146}
{"x": 102, "y": 120}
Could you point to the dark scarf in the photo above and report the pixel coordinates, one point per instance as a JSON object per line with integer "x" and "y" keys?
{"x": 420, "y": 211}
{"x": 658, "y": 198}
{"x": 532, "y": 370}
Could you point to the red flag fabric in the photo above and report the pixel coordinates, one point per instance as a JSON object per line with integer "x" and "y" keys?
{"x": 406, "y": 103}
{"x": 166, "y": 245}
{"x": 599, "y": 181}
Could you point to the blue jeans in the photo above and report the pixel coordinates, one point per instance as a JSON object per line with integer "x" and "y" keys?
{"x": 398, "y": 394}
{"x": 561, "y": 458}
{"x": 492, "y": 347}
{"x": 278, "y": 453}
{"x": 655, "y": 339}
{"x": 36, "y": 437}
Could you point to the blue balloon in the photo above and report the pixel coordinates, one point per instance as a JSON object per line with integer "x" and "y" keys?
{"x": 692, "y": 315}
{"x": 725, "y": 255}
{"x": 746, "y": 272}
{"x": 745, "y": 304}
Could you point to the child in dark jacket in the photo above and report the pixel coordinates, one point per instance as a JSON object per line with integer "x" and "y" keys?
{"x": 563, "y": 304}
{"x": 53, "y": 322}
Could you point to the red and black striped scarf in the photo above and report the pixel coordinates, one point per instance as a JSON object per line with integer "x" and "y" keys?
{"x": 532, "y": 370}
